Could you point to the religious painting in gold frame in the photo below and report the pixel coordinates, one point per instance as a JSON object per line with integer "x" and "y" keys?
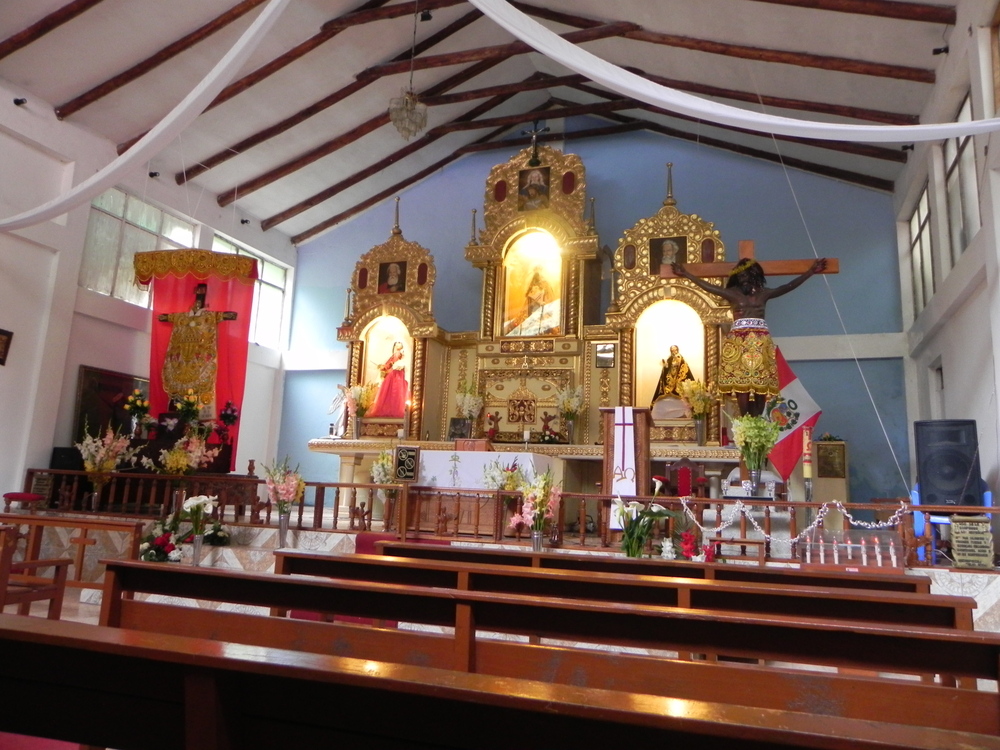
{"x": 533, "y": 280}
{"x": 831, "y": 459}
{"x": 533, "y": 189}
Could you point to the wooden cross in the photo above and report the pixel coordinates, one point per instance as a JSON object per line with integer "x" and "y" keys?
{"x": 771, "y": 267}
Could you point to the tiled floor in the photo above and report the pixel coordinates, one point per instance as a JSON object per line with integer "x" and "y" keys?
{"x": 72, "y": 609}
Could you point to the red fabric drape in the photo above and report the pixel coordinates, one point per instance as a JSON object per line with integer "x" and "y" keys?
{"x": 173, "y": 292}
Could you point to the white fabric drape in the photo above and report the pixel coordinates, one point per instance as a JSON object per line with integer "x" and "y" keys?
{"x": 629, "y": 84}
{"x": 623, "y": 480}
{"x": 163, "y": 133}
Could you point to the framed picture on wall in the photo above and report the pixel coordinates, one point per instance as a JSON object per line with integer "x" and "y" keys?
{"x": 100, "y": 400}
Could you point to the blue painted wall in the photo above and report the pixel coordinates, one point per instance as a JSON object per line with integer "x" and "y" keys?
{"x": 787, "y": 214}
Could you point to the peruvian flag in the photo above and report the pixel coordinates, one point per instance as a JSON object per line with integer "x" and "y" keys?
{"x": 792, "y": 410}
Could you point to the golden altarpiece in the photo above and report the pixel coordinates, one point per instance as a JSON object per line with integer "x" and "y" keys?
{"x": 542, "y": 329}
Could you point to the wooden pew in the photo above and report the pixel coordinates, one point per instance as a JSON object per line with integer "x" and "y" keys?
{"x": 35, "y": 527}
{"x": 21, "y": 582}
{"x": 168, "y": 692}
{"x": 888, "y": 607}
{"x": 523, "y": 557}
{"x": 462, "y": 616}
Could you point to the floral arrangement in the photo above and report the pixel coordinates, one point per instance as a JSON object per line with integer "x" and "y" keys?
{"x": 382, "y": 468}
{"x": 548, "y": 436}
{"x": 696, "y": 397}
{"x": 160, "y": 545}
{"x": 690, "y": 550}
{"x": 360, "y": 398}
{"x": 138, "y": 406}
{"x": 198, "y": 508}
{"x": 828, "y": 437}
{"x": 637, "y": 521}
{"x": 497, "y": 476}
{"x": 755, "y": 437}
{"x": 540, "y": 504}
{"x": 469, "y": 402}
{"x": 189, "y": 454}
{"x": 284, "y": 485}
{"x": 229, "y": 414}
{"x": 218, "y": 535}
{"x": 102, "y": 455}
{"x": 188, "y": 406}
{"x": 569, "y": 401}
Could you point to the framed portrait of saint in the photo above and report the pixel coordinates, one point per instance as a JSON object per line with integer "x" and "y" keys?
{"x": 533, "y": 189}
{"x": 533, "y": 278}
{"x": 392, "y": 277}
{"x": 666, "y": 250}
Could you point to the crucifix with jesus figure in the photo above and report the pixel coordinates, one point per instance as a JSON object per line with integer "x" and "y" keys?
{"x": 747, "y": 367}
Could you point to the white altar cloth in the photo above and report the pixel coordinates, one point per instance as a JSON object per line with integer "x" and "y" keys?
{"x": 465, "y": 469}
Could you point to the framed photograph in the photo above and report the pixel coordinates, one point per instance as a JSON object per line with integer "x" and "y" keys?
{"x": 666, "y": 250}
{"x": 533, "y": 189}
{"x": 392, "y": 277}
{"x": 459, "y": 428}
{"x": 406, "y": 463}
{"x": 100, "y": 400}
{"x": 604, "y": 356}
{"x": 831, "y": 459}
{"x": 5, "y": 337}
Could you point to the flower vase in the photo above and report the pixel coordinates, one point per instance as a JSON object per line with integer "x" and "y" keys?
{"x": 754, "y": 483}
{"x": 283, "y": 528}
{"x": 700, "y": 429}
{"x": 356, "y": 428}
{"x": 196, "y": 544}
{"x": 537, "y": 537}
{"x": 94, "y": 499}
{"x": 177, "y": 502}
{"x": 570, "y": 425}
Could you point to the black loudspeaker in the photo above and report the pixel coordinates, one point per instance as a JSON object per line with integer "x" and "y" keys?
{"x": 948, "y": 462}
{"x": 66, "y": 459}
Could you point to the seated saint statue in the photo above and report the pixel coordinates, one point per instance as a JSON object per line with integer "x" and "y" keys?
{"x": 675, "y": 371}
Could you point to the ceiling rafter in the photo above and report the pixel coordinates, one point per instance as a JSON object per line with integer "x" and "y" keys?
{"x": 152, "y": 62}
{"x": 354, "y": 179}
{"x": 40, "y": 28}
{"x": 902, "y": 11}
{"x": 302, "y": 115}
{"x": 496, "y": 55}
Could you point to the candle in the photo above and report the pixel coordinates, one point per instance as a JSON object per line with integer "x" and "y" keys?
{"x": 822, "y": 553}
{"x": 836, "y": 553}
{"x": 807, "y": 469}
{"x": 400, "y": 433}
{"x": 892, "y": 552}
{"x": 878, "y": 552}
{"x": 347, "y": 305}
{"x": 809, "y": 550}
{"x": 864, "y": 553}
{"x": 850, "y": 549}
{"x": 527, "y": 435}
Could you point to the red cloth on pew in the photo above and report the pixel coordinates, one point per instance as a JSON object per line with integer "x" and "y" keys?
{"x": 24, "y": 742}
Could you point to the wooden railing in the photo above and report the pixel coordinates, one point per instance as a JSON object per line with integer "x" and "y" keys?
{"x": 751, "y": 528}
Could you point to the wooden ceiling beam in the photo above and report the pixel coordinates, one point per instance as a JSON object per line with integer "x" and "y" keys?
{"x": 800, "y": 59}
{"x": 325, "y": 149}
{"x": 152, "y": 62}
{"x": 903, "y": 11}
{"x": 40, "y": 28}
{"x": 574, "y": 135}
{"x": 354, "y": 179}
{"x": 543, "y": 113}
{"x": 533, "y": 83}
{"x": 304, "y": 114}
{"x": 502, "y": 51}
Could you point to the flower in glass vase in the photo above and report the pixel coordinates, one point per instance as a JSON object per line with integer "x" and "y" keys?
{"x": 696, "y": 397}
{"x": 755, "y": 437}
{"x": 540, "y": 504}
{"x": 569, "y": 401}
{"x": 198, "y": 509}
{"x": 284, "y": 485}
{"x": 469, "y": 402}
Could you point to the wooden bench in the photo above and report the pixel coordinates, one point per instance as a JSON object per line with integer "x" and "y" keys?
{"x": 21, "y": 582}
{"x": 213, "y": 695}
{"x": 82, "y": 565}
{"x": 465, "y": 618}
{"x": 889, "y": 607}
{"x": 523, "y": 557}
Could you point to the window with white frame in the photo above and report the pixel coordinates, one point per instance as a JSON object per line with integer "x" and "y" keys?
{"x": 921, "y": 266}
{"x": 268, "y": 296}
{"x": 962, "y": 188}
{"x": 121, "y": 225}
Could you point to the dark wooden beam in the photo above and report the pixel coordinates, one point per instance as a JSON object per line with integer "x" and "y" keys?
{"x": 304, "y": 114}
{"x": 856, "y": 113}
{"x": 942, "y": 14}
{"x": 340, "y": 141}
{"x": 502, "y": 51}
{"x": 378, "y": 166}
{"x": 42, "y": 27}
{"x": 542, "y": 113}
{"x": 152, "y": 62}
{"x": 534, "y": 83}
{"x": 574, "y": 135}
{"x": 800, "y": 59}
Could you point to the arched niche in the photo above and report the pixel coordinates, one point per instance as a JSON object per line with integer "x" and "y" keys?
{"x": 532, "y": 285}
{"x": 379, "y": 338}
{"x": 662, "y": 325}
